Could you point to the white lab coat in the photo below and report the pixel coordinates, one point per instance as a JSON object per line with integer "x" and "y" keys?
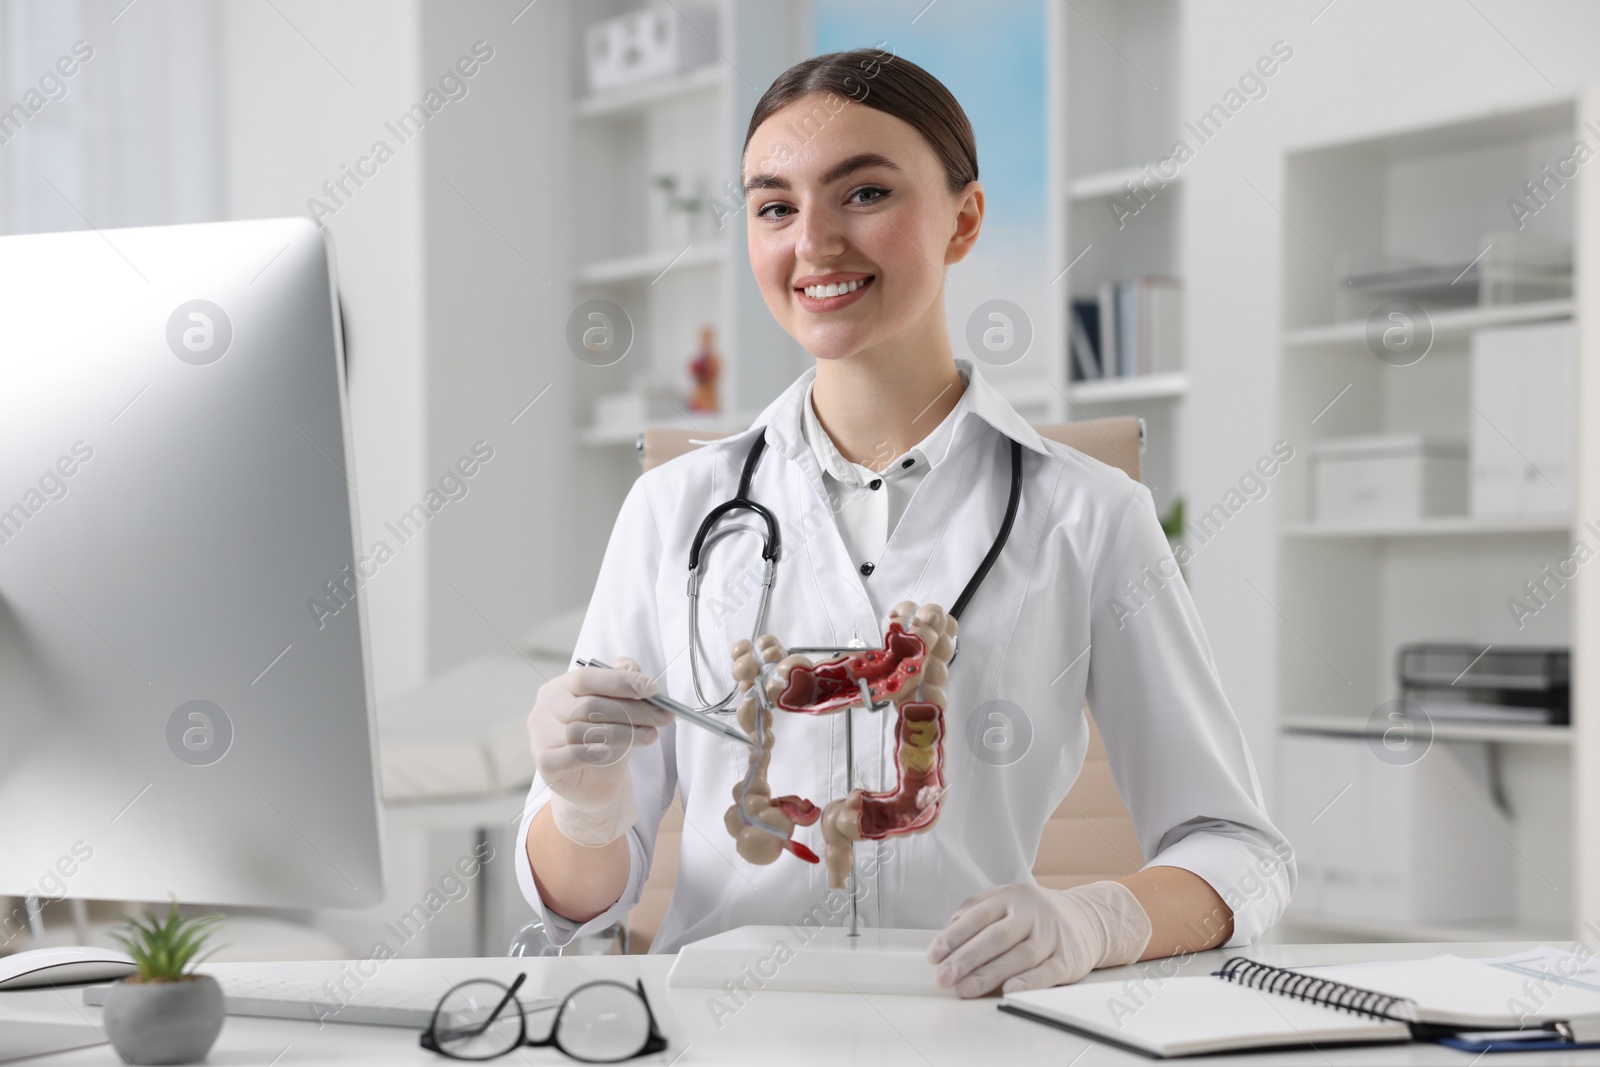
{"x": 1045, "y": 633}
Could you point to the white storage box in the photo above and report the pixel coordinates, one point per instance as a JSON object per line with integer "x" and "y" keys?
{"x": 1389, "y": 478}
{"x": 1521, "y": 443}
{"x": 647, "y": 44}
{"x": 1418, "y": 843}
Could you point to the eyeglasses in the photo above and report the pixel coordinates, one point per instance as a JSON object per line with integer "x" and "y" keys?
{"x": 599, "y": 1022}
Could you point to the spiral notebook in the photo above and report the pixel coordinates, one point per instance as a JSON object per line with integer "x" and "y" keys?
{"x": 1250, "y": 1005}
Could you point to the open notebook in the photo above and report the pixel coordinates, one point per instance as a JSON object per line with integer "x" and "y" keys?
{"x": 1249, "y": 1005}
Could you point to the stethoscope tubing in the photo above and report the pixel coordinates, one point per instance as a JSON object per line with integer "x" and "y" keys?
{"x": 772, "y": 546}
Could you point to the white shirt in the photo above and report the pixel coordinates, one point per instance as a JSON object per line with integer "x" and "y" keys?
{"x": 867, "y": 503}
{"x": 1041, "y": 637}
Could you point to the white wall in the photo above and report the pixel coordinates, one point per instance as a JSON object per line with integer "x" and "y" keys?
{"x": 451, "y": 332}
{"x": 497, "y": 266}
{"x": 1361, "y": 66}
{"x": 453, "y": 260}
{"x": 307, "y": 88}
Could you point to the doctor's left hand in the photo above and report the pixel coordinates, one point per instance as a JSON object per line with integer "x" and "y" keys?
{"x": 1024, "y": 936}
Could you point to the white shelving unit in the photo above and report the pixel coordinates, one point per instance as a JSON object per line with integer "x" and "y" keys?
{"x": 1330, "y": 928}
{"x": 1143, "y": 387}
{"x": 1122, "y": 89}
{"x": 636, "y": 99}
{"x": 650, "y": 267}
{"x": 1448, "y": 325}
{"x": 1439, "y": 526}
{"x": 1514, "y": 733}
{"x": 721, "y": 422}
{"x": 1108, "y": 183}
{"x": 673, "y": 275}
{"x": 670, "y": 276}
{"x": 1347, "y": 597}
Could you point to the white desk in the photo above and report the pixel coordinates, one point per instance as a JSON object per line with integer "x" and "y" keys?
{"x": 772, "y": 1028}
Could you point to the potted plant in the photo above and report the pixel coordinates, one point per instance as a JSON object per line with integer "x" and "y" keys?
{"x": 165, "y": 1013}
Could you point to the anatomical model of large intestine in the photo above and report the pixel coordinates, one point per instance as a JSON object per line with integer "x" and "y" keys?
{"x": 909, "y": 673}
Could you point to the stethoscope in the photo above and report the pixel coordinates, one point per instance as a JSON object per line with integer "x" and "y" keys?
{"x": 770, "y": 546}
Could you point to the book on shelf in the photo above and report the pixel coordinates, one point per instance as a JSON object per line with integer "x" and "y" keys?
{"x": 1110, "y": 343}
{"x": 1084, "y": 333}
{"x": 1128, "y": 329}
{"x": 1128, "y": 339}
{"x": 1158, "y": 304}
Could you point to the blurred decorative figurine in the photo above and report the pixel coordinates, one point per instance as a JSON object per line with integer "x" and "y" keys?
{"x": 907, "y": 674}
{"x": 706, "y": 368}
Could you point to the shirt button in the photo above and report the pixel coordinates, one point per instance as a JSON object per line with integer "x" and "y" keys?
{"x": 876, "y": 483}
{"x": 907, "y": 463}
{"x": 867, "y": 568}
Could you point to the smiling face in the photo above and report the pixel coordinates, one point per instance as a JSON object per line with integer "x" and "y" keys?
{"x": 851, "y": 225}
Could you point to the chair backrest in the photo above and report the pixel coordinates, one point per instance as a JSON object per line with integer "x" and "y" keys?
{"x": 1090, "y": 834}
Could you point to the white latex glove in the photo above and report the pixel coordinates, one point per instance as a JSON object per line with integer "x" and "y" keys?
{"x": 1028, "y": 937}
{"x": 583, "y": 726}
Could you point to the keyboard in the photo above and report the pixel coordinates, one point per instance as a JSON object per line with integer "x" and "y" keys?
{"x": 279, "y": 998}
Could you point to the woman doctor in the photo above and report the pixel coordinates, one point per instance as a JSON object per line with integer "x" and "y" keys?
{"x": 888, "y": 466}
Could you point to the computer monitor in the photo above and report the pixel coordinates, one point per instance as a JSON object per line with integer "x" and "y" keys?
{"x": 185, "y": 683}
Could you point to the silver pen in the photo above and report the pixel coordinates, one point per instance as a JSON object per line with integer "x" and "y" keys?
{"x": 682, "y": 711}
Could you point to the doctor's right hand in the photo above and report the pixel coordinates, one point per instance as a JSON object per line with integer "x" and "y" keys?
{"x": 582, "y": 728}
